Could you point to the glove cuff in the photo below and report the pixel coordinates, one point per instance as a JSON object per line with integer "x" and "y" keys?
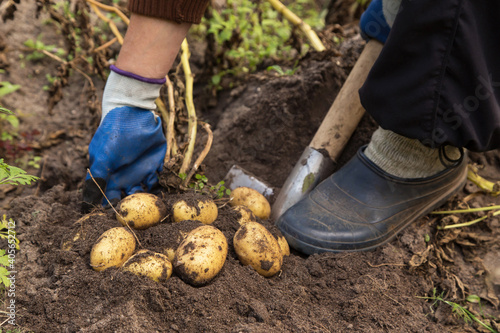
{"x": 137, "y": 77}
{"x": 127, "y": 89}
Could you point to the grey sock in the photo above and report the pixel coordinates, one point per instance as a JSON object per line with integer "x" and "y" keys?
{"x": 404, "y": 157}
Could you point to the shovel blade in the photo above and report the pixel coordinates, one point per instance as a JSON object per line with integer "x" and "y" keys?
{"x": 238, "y": 177}
{"x": 312, "y": 167}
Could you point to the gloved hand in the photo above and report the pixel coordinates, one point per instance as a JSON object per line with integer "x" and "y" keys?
{"x": 127, "y": 151}
{"x": 378, "y": 18}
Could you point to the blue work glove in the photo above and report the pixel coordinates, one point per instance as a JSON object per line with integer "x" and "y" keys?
{"x": 377, "y": 20}
{"x": 127, "y": 151}
{"x": 126, "y": 154}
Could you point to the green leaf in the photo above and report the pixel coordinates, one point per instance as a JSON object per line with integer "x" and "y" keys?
{"x": 12, "y": 120}
{"x": 216, "y": 79}
{"x": 14, "y": 176}
{"x": 4, "y": 260}
{"x": 473, "y": 299}
{"x": 225, "y": 35}
{"x": 7, "y": 88}
{"x": 276, "y": 68}
{"x": 30, "y": 43}
{"x": 39, "y": 45}
{"x": 4, "y": 110}
{"x": 4, "y": 273}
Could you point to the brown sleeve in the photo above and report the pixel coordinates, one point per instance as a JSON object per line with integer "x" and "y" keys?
{"x": 174, "y": 10}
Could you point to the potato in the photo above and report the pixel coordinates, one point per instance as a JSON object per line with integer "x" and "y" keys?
{"x": 206, "y": 212}
{"x": 285, "y": 248}
{"x": 141, "y": 210}
{"x": 67, "y": 245}
{"x": 257, "y": 247}
{"x": 201, "y": 255}
{"x": 155, "y": 266}
{"x": 246, "y": 214}
{"x": 170, "y": 253}
{"x": 256, "y": 202}
{"x": 165, "y": 238}
{"x": 112, "y": 249}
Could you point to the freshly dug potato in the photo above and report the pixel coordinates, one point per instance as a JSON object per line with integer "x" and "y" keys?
{"x": 201, "y": 255}
{"x": 285, "y": 248}
{"x": 170, "y": 253}
{"x": 206, "y": 212}
{"x": 141, "y": 210}
{"x": 112, "y": 249}
{"x": 155, "y": 266}
{"x": 79, "y": 233}
{"x": 246, "y": 214}
{"x": 165, "y": 238}
{"x": 256, "y": 202}
{"x": 257, "y": 247}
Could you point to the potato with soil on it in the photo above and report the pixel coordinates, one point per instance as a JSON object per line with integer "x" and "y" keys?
{"x": 155, "y": 266}
{"x": 141, "y": 210}
{"x": 250, "y": 198}
{"x": 245, "y": 214}
{"x": 112, "y": 249}
{"x": 283, "y": 243}
{"x": 206, "y": 211}
{"x": 201, "y": 255}
{"x": 165, "y": 238}
{"x": 257, "y": 247}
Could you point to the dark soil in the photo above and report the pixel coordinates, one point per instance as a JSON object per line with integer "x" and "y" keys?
{"x": 262, "y": 125}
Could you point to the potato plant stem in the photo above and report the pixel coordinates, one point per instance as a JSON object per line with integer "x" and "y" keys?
{"x": 192, "y": 120}
{"x": 171, "y": 143}
{"x": 165, "y": 116}
{"x": 465, "y": 224}
{"x": 485, "y": 185}
{"x": 105, "y": 45}
{"x": 470, "y": 210}
{"x": 110, "y": 9}
{"x": 71, "y": 64}
{"x": 111, "y": 24}
{"x": 297, "y": 21}
{"x": 105, "y": 197}
{"x": 203, "y": 154}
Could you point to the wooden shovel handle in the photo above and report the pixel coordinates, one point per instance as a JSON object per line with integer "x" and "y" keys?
{"x": 346, "y": 111}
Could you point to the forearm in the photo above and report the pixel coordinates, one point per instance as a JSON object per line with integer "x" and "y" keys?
{"x": 150, "y": 46}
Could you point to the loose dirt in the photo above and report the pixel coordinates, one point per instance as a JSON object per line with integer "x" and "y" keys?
{"x": 262, "y": 125}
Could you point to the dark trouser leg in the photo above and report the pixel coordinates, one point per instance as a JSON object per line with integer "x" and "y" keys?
{"x": 438, "y": 77}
